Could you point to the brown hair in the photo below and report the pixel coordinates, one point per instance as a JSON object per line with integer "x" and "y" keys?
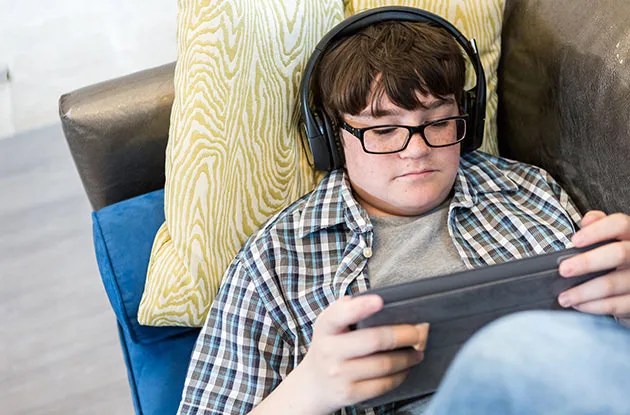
{"x": 395, "y": 58}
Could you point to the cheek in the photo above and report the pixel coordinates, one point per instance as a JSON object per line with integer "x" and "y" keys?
{"x": 451, "y": 158}
{"x": 352, "y": 153}
{"x": 361, "y": 167}
{"x": 356, "y": 167}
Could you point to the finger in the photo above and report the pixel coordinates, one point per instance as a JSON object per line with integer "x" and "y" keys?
{"x": 609, "y": 256}
{"x": 424, "y": 335}
{"x": 615, "y": 226}
{"x": 347, "y": 311}
{"x": 382, "y": 364}
{"x": 364, "y": 342}
{"x": 591, "y": 216}
{"x": 610, "y": 285}
{"x": 371, "y": 388}
{"x": 616, "y": 306}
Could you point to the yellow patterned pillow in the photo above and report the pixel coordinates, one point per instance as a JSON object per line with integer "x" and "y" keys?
{"x": 233, "y": 156}
{"x": 479, "y": 19}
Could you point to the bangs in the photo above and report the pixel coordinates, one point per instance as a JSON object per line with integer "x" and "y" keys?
{"x": 400, "y": 60}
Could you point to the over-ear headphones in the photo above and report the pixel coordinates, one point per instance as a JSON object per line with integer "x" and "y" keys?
{"x": 323, "y": 140}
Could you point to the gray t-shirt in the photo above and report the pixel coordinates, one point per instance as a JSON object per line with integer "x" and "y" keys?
{"x": 409, "y": 248}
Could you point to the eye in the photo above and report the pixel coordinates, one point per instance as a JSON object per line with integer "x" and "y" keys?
{"x": 384, "y": 131}
{"x": 441, "y": 124}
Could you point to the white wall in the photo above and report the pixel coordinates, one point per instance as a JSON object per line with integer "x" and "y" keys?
{"x": 53, "y": 47}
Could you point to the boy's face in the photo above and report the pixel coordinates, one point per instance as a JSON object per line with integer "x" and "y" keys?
{"x": 407, "y": 183}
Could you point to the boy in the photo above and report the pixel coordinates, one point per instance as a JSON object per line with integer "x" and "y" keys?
{"x": 407, "y": 204}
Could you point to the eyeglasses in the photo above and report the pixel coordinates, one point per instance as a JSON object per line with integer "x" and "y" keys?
{"x": 387, "y": 139}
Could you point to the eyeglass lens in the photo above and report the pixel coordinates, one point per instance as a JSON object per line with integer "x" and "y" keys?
{"x": 391, "y": 139}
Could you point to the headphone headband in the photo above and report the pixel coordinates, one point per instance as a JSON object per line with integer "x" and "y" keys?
{"x": 323, "y": 141}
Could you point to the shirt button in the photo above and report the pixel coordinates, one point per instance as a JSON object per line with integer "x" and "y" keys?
{"x": 367, "y": 252}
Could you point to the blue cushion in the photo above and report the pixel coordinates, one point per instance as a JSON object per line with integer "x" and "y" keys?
{"x": 157, "y": 371}
{"x": 123, "y": 236}
{"x": 157, "y": 358}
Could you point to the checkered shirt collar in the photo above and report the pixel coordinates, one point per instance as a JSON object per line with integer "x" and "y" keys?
{"x": 332, "y": 202}
{"x": 476, "y": 177}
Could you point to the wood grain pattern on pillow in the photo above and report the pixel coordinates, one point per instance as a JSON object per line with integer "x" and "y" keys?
{"x": 234, "y": 156}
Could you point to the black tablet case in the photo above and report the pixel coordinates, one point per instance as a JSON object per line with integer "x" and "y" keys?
{"x": 459, "y": 304}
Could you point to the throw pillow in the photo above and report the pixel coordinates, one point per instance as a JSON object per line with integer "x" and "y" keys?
{"x": 234, "y": 155}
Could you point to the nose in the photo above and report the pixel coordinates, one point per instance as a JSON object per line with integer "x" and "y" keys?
{"x": 416, "y": 148}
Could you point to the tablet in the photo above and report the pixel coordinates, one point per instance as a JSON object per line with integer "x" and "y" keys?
{"x": 457, "y": 305}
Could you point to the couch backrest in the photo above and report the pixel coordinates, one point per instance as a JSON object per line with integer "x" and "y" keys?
{"x": 564, "y": 100}
{"x": 564, "y": 95}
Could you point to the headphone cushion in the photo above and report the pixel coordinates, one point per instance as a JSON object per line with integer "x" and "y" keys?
{"x": 333, "y": 142}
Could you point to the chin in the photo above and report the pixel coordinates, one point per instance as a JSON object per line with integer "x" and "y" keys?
{"x": 417, "y": 211}
{"x": 418, "y": 207}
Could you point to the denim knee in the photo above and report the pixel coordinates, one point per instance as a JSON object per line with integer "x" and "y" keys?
{"x": 540, "y": 362}
{"x": 544, "y": 333}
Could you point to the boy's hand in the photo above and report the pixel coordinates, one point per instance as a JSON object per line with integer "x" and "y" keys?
{"x": 344, "y": 367}
{"x": 610, "y": 293}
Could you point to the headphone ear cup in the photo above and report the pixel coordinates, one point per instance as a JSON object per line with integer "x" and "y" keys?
{"x": 319, "y": 142}
{"x": 471, "y": 141}
{"x": 333, "y": 143}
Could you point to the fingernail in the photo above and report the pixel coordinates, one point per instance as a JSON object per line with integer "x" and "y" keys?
{"x": 566, "y": 269}
{"x": 564, "y": 300}
{"x": 423, "y": 328}
{"x": 577, "y": 239}
{"x": 423, "y": 332}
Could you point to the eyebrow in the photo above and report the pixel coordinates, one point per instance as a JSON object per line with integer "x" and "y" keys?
{"x": 384, "y": 112}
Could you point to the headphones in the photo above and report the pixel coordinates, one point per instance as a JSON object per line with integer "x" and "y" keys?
{"x": 323, "y": 139}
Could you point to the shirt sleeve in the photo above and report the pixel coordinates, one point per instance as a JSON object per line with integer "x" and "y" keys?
{"x": 240, "y": 356}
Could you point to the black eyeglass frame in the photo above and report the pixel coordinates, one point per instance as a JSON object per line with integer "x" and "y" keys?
{"x": 359, "y": 133}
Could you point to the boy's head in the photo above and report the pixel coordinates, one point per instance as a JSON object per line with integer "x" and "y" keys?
{"x": 394, "y": 59}
{"x": 395, "y": 73}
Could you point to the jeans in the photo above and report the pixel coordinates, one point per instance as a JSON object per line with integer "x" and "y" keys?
{"x": 540, "y": 362}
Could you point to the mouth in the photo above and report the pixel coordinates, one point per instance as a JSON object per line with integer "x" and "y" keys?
{"x": 416, "y": 174}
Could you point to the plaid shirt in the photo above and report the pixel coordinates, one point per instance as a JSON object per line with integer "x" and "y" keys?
{"x": 314, "y": 252}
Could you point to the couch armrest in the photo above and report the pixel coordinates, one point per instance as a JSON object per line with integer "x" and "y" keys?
{"x": 117, "y": 132}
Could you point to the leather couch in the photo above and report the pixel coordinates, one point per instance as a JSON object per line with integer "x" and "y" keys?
{"x": 564, "y": 100}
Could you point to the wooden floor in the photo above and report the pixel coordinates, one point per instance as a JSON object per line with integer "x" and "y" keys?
{"x": 59, "y": 350}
